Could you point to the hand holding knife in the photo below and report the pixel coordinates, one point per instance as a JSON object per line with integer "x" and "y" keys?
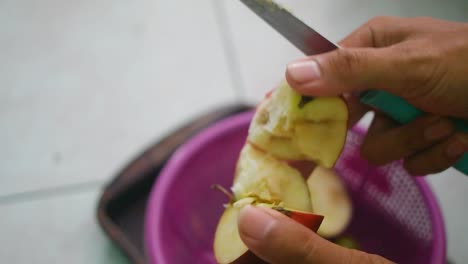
{"x": 310, "y": 42}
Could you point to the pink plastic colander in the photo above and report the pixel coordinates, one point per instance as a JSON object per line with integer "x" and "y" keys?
{"x": 395, "y": 216}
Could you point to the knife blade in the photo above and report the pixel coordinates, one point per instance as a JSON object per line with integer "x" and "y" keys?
{"x": 305, "y": 38}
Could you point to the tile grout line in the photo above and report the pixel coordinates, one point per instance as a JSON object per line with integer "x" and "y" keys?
{"x": 229, "y": 49}
{"x": 49, "y": 192}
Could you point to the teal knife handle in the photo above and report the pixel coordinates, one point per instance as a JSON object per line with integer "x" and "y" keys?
{"x": 403, "y": 112}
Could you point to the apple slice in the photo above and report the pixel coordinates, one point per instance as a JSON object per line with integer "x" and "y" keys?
{"x": 229, "y": 247}
{"x": 292, "y": 127}
{"x": 261, "y": 180}
{"x": 261, "y": 176}
{"x": 288, "y": 136}
{"x": 280, "y": 146}
{"x": 321, "y": 142}
{"x": 330, "y": 198}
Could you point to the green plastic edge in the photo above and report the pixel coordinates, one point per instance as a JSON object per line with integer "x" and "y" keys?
{"x": 403, "y": 112}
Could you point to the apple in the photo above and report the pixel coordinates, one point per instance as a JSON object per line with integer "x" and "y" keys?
{"x": 330, "y": 198}
{"x": 261, "y": 180}
{"x": 293, "y": 127}
{"x": 229, "y": 247}
{"x": 288, "y": 137}
{"x": 265, "y": 178}
{"x": 280, "y": 146}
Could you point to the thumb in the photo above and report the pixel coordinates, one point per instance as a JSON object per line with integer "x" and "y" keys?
{"x": 348, "y": 71}
{"x": 277, "y": 239}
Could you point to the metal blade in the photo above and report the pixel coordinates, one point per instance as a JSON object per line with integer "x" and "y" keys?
{"x": 299, "y": 34}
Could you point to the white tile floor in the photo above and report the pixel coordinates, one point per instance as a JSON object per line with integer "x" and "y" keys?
{"x": 58, "y": 229}
{"x": 85, "y": 85}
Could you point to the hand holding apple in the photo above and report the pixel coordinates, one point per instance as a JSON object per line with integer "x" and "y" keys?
{"x": 266, "y": 182}
{"x": 274, "y": 238}
{"x": 287, "y": 133}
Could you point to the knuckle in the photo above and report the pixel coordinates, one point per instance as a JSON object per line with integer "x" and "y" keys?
{"x": 412, "y": 141}
{"x": 463, "y": 138}
{"x": 435, "y": 168}
{"x": 412, "y": 136}
{"x": 410, "y": 168}
{"x": 384, "y": 29}
{"x": 358, "y": 257}
{"x": 421, "y": 19}
{"x": 420, "y": 70}
{"x": 353, "y": 257}
{"x": 428, "y": 163}
{"x": 410, "y": 145}
{"x": 372, "y": 156}
{"x": 344, "y": 63}
{"x": 380, "y": 20}
{"x": 376, "y": 259}
{"x": 309, "y": 249}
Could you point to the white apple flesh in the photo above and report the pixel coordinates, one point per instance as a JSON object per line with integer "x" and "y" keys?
{"x": 228, "y": 246}
{"x": 265, "y": 178}
{"x": 262, "y": 180}
{"x": 330, "y": 198}
{"x": 286, "y": 136}
{"x": 291, "y": 129}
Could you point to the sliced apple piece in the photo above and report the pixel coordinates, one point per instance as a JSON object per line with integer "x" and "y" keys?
{"x": 280, "y": 147}
{"x": 330, "y": 198}
{"x": 265, "y": 178}
{"x": 261, "y": 180}
{"x": 292, "y": 127}
{"x": 321, "y": 142}
{"x": 228, "y": 245}
{"x": 288, "y": 136}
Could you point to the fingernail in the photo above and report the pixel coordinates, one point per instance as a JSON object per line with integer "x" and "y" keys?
{"x": 254, "y": 222}
{"x": 304, "y": 71}
{"x": 457, "y": 148}
{"x": 440, "y": 129}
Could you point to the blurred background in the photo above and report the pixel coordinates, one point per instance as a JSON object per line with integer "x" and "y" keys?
{"x": 86, "y": 85}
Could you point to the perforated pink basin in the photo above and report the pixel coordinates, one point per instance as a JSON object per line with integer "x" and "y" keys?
{"x": 396, "y": 215}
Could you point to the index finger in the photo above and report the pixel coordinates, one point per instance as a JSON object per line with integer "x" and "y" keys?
{"x": 376, "y": 33}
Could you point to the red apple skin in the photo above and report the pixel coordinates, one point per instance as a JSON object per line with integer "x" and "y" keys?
{"x": 249, "y": 258}
{"x": 311, "y": 221}
{"x": 268, "y": 94}
{"x": 305, "y": 167}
